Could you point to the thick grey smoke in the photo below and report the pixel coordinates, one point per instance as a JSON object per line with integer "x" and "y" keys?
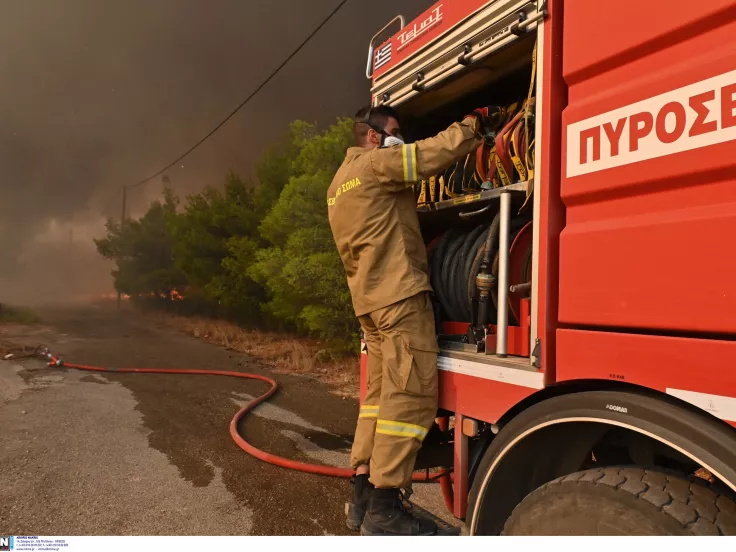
{"x": 96, "y": 94}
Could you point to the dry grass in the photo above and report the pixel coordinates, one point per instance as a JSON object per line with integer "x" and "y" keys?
{"x": 285, "y": 354}
{"x": 17, "y": 315}
{"x": 20, "y": 339}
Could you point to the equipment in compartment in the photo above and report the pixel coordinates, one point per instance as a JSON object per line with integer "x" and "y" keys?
{"x": 456, "y": 259}
{"x": 464, "y": 252}
{"x": 505, "y": 157}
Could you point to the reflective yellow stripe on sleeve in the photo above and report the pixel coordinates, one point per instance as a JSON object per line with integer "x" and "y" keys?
{"x": 406, "y": 164}
{"x": 409, "y": 155}
{"x": 401, "y": 429}
{"x": 368, "y": 411}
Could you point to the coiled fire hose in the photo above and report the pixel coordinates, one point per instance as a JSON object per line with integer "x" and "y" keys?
{"x": 444, "y": 477}
{"x": 455, "y": 259}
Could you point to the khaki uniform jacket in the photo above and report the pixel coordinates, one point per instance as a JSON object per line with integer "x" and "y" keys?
{"x": 373, "y": 215}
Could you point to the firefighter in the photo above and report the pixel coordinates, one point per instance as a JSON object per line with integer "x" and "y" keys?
{"x": 372, "y": 213}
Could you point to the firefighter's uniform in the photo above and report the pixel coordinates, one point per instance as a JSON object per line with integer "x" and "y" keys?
{"x": 372, "y": 214}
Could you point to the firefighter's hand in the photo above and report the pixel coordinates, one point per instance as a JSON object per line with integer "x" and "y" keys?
{"x": 488, "y": 118}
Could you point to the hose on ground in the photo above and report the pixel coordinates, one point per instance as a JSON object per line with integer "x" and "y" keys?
{"x": 317, "y": 469}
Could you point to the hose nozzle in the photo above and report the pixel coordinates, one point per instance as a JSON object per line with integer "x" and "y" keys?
{"x": 485, "y": 283}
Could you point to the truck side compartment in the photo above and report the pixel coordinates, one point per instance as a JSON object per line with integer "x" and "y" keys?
{"x": 649, "y": 183}
{"x": 617, "y": 350}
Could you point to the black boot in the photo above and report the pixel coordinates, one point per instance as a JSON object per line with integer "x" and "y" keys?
{"x": 355, "y": 510}
{"x": 387, "y": 516}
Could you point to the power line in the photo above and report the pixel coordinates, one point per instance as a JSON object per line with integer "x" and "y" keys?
{"x": 240, "y": 106}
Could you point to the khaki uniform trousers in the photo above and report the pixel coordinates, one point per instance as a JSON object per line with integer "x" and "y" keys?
{"x": 401, "y": 403}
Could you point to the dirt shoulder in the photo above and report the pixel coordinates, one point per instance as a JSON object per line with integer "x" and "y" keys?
{"x": 21, "y": 340}
{"x": 282, "y": 353}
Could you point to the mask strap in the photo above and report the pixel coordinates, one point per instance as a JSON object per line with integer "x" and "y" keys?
{"x": 367, "y": 121}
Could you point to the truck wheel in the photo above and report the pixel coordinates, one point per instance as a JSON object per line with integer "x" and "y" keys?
{"x": 622, "y": 501}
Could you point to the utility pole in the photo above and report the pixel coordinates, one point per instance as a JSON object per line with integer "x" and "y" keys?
{"x": 122, "y": 223}
{"x": 125, "y": 197}
{"x": 69, "y": 257}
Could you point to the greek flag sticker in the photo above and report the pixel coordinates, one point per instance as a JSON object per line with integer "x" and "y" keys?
{"x": 382, "y": 56}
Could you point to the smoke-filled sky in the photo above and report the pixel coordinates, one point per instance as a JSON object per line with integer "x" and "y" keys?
{"x": 98, "y": 93}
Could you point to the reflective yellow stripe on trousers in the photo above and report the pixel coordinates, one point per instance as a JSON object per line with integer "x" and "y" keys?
{"x": 401, "y": 429}
{"x": 368, "y": 411}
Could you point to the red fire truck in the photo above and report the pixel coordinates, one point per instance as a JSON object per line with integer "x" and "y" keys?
{"x": 580, "y": 259}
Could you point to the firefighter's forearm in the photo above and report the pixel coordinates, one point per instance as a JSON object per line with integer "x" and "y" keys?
{"x": 435, "y": 154}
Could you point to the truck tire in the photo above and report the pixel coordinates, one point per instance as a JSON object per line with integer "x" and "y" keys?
{"x": 623, "y": 501}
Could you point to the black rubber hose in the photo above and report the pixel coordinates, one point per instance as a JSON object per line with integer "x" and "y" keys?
{"x": 436, "y": 260}
{"x": 458, "y": 277}
{"x": 451, "y": 252}
{"x": 452, "y": 279}
{"x": 486, "y": 253}
{"x": 444, "y": 277}
{"x": 474, "y": 270}
{"x": 477, "y": 245}
{"x": 492, "y": 240}
{"x": 436, "y": 266}
{"x": 514, "y": 227}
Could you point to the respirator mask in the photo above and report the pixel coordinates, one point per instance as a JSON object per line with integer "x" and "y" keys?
{"x": 387, "y": 140}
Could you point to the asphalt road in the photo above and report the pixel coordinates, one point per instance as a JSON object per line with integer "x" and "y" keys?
{"x": 140, "y": 454}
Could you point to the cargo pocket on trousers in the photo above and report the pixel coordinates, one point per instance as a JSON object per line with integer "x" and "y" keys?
{"x": 419, "y": 365}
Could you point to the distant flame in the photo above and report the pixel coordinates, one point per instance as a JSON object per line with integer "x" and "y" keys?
{"x": 174, "y": 295}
